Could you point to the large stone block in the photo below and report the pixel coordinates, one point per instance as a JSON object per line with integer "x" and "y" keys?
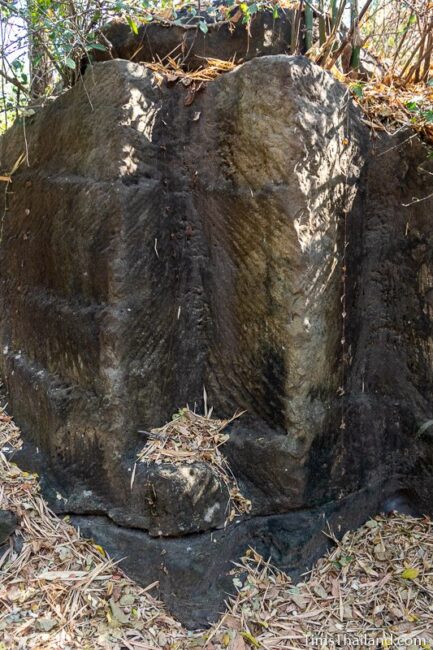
{"x": 244, "y": 245}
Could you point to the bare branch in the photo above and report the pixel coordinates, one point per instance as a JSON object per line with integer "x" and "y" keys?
{"x": 14, "y": 82}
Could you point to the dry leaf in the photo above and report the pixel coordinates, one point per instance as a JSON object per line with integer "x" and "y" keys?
{"x": 237, "y": 643}
{"x": 320, "y": 591}
{"x": 379, "y": 551}
{"x": 117, "y": 612}
{"x": 45, "y": 624}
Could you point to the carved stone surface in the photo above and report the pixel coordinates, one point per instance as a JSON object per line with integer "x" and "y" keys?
{"x": 255, "y": 243}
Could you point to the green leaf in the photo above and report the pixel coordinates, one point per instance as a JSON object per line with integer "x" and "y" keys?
{"x": 357, "y": 90}
{"x": 70, "y": 63}
{"x": 203, "y": 26}
{"x": 97, "y": 46}
{"x": 17, "y": 64}
{"x": 251, "y": 639}
{"x": 410, "y": 574}
{"x": 412, "y": 106}
{"x": 132, "y": 24}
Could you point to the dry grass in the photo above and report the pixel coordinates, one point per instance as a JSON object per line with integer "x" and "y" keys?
{"x": 191, "y": 438}
{"x": 58, "y": 591}
{"x": 390, "y": 106}
{"x": 388, "y": 103}
{"x": 172, "y": 70}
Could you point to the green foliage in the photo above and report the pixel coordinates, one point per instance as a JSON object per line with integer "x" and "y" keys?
{"x": 43, "y": 41}
{"x": 356, "y": 41}
{"x": 308, "y": 27}
{"x": 358, "y": 90}
{"x": 132, "y": 24}
{"x": 333, "y": 11}
{"x": 420, "y": 111}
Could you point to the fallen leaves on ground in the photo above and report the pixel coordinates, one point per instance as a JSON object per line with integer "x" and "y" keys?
{"x": 60, "y": 592}
{"x": 353, "y": 593}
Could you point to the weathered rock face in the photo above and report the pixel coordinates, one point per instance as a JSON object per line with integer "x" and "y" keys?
{"x": 8, "y": 523}
{"x": 189, "y": 46}
{"x": 253, "y": 244}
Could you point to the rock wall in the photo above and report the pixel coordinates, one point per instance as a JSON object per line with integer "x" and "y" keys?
{"x": 189, "y": 45}
{"x": 253, "y": 244}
